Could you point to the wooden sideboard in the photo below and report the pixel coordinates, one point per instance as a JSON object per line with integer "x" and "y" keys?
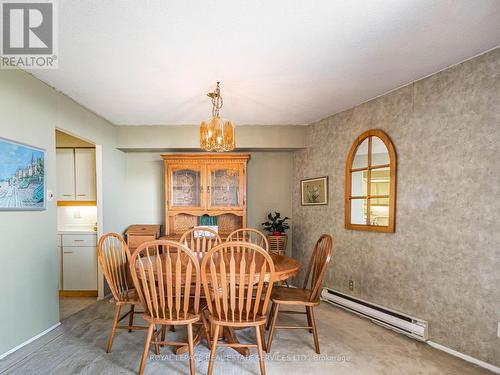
{"x": 205, "y": 184}
{"x": 140, "y": 233}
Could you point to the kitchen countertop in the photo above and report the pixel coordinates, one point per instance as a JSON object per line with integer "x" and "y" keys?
{"x": 79, "y": 230}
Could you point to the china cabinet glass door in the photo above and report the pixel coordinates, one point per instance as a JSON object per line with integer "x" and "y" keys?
{"x": 226, "y": 186}
{"x": 186, "y": 187}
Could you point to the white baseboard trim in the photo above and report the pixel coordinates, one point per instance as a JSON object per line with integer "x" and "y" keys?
{"x": 465, "y": 357}
{"x": 2, "y": 356}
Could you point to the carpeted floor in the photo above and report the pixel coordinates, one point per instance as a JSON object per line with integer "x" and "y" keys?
{"x": 71, "y": 305}
{"x": 349, "y": 345}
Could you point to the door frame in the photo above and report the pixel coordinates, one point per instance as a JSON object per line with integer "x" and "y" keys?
{"x": 100, "y": 216}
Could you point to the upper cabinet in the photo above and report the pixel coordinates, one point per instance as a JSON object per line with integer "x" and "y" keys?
{"x": 186, "y": 186}
{"x": 226, "y": 184}
{"x": 65, "y": 159}
{"x": 85, "y": 184}
{"x": 76, "y": 178}
{"x": 205, "y": 184}
{"x": 370, "y": 196}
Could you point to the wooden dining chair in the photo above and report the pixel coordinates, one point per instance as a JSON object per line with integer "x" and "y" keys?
{"x": 254, "y": 236}
{"x": 164, "y": 273}
{"x": 233, "y": 276}
{"x": 249, "y": 235}
{"x": 200, "y": 241}
{"x": 113, "y": 255}
{"x": 307, "y": 296}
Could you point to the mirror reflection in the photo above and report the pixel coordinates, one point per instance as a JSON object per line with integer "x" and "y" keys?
{"x": 358, "y": 211}
{"x": 359, "y": 183}
{"x": 379, "y": 211}
{"x": 380, "y": 181}
{"x": 380, "y": 154}
{"x": 361, "y": 157}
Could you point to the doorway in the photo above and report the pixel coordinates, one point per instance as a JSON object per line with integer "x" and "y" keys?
{"x": 77, "y": 222}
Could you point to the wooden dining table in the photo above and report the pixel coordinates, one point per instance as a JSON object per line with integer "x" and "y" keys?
{"x": 285, "y": 267}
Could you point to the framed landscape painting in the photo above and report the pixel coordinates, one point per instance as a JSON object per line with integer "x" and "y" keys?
{"x": 314, "y": 191}
{"x": 22, "y": 177}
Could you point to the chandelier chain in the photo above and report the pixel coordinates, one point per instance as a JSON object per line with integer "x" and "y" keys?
{"x": 217, "y": 101}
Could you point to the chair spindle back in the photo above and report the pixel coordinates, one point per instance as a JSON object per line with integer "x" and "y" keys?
{"x": 249, "y": 235}
{"x": 318, "y": 263}
{"x": 231, "y": 273}
{"x": 114, "y": 255}
{"x": 200, "y": 241}
{"x": 165, "y": 273}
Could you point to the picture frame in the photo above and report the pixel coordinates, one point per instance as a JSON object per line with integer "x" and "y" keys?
{"x": 314, "y": 191}
{"x": 22, "y": 176}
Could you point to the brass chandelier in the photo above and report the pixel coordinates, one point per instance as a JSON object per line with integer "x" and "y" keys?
{"x": 217, "y": 134}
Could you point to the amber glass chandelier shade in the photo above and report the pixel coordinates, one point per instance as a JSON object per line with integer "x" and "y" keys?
{"x": 217, "y": 135}
{"x": 204, "y": 135}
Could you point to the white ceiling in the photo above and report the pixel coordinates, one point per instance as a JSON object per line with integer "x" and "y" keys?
{"x": 280, "y": 62}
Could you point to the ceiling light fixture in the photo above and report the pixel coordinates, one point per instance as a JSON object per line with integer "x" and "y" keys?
{"x": 217, "y": 134}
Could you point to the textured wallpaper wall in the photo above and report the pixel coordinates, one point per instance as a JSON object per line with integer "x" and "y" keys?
{"x": 443, "y": 262}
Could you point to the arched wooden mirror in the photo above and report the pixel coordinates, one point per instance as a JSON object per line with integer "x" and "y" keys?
{"x": 370, "y": 195}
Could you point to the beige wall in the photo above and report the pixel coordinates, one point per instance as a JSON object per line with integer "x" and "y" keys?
{"x": 30, "y": 112}
{"x": 144, "y": 188}
{"x": 269, "y": 189}
{"x": 258, "y": 137}
{"x": 443, "y": 262}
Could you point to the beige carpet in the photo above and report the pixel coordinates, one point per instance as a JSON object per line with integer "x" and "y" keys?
{"x": 71, "y": 305}
{"x": 349, "y": 345}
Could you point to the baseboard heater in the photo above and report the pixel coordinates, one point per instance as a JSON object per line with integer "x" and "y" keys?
{"x": 402, "y": 323}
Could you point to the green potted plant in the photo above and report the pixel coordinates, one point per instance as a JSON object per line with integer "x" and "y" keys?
{"x": 276, "y": 226}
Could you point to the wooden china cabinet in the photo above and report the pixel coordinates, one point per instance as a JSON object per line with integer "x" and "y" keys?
{"x": 205, "y": 184}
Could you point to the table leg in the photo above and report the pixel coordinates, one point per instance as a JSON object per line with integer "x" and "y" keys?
{"x": 196, "y": 340}
{"x": 231, "y": 338}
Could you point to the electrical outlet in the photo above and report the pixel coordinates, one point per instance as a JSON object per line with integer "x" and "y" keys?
{"x": 351, "y": 285}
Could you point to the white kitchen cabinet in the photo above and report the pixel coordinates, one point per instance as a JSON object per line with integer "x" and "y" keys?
{"x": 79, "y": 240}
{"x": 76, "y": 179}
{"x": 65, "y": 163}
{"x": 79, "y": 264}
{"x": 85, "y": 174}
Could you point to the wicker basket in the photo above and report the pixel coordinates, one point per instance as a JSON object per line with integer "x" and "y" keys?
{"x": 277, "y": 244}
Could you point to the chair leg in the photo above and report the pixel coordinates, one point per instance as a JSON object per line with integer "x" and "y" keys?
{"x": 212, "y": 352}
{"x": 146, "y": 349}
{"x": 113, "y": 328}
{"x": 131, "y": 317}
{"x": 309, "y": 323}
{"x": 263, "y": 336}
{"x": 315, "y": 331}
{"x": 157, "y": 346}
{"x": 273, "y": 326}
{"x": 191, "y": 348}
{"x": 163, "y": 332}
{"x": 268, "y": 325}
{"x": 258, "y": 333}
{"x": 206, "y": 328}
